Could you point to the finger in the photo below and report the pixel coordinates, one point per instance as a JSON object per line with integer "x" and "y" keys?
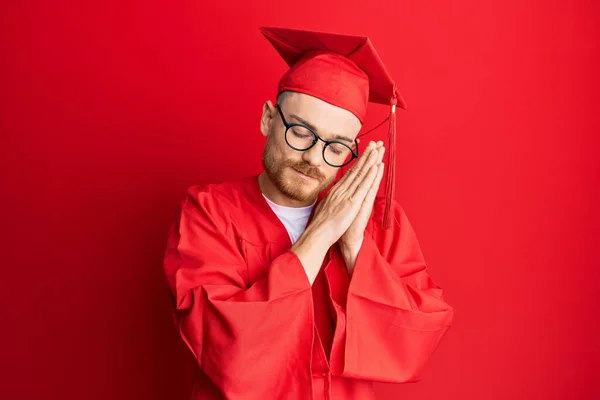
{"x": 363, "y": 160}
{"x": 351, "y": 173}
{"x": 364, "y": 186}
{"x": 376, "y": 146}
{"x": 381, "y": 152}
{"x": 372, "y": 193}
{"x": 367, "y": 205}
{"x": 363, "y": 172}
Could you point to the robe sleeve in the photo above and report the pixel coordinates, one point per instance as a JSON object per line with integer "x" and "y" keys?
{"x": 239, "y": 334}
{"x": 391, "y": 316}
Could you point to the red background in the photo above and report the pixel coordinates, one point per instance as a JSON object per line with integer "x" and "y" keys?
{"x": 110, "y": 109}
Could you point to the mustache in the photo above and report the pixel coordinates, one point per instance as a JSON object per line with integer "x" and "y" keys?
{"x": 308, "y": 170}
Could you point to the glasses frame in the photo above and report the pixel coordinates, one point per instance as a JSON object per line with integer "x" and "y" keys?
{"x": 316, "y": 139}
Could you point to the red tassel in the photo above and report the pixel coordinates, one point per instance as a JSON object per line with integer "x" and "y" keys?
{"x": 390, "y": 168}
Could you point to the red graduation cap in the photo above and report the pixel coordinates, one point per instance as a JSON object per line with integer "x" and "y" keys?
{"x": 343, "y": 70}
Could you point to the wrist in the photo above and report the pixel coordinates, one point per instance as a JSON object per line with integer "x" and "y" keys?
{"x": 310, "y": 250}
{"x": 348, "y": 248}
{"x": 350, "y": 253}
{"x": 317, "y": 239}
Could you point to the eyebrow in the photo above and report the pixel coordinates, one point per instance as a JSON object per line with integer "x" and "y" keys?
{"x": 313, "y": 128}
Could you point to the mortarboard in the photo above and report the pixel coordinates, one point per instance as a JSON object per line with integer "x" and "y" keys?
{"x": 343, "y": 70}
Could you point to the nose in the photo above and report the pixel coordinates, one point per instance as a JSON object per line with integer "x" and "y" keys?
{"x": 314, "y": 155}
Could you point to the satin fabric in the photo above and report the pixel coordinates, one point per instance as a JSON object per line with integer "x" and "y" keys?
{"x": 258, "y": 330}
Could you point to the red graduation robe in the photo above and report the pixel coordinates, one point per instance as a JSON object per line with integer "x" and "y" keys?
{"x": 257, "y": 328}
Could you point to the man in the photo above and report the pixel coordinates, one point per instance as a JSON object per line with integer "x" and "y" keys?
{"x": 287, "y": 287}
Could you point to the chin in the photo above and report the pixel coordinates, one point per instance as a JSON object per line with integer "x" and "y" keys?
{"x": 298, "y": 188}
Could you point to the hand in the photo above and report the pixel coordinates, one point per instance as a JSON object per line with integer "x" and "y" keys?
{"x": 351, "y": 241}
{"x": 337, "y": 211}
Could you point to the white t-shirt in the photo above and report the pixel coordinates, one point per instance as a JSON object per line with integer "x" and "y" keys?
{"x": 293, "y": 218}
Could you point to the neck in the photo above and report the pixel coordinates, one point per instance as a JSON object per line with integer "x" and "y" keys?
{"x": 270, "y": 190}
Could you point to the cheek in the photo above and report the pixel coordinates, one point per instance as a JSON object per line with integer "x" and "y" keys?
{"x": 285, "y": 152}
{"x": 330, "y": 173}
{"x": 278, "y": 151}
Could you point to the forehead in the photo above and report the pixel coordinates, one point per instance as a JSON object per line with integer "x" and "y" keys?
{"x": 329, "y": 120}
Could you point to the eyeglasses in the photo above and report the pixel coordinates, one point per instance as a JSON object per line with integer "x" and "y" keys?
{"x": 302, "y": 138}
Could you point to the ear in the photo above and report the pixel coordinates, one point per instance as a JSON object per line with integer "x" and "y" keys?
{"x": 268, "y": 118}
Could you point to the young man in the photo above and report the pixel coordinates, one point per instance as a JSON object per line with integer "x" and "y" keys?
{"x": 287, "y": 287}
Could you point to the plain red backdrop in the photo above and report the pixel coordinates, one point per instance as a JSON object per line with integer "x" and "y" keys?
{"x": 109, "y": 110}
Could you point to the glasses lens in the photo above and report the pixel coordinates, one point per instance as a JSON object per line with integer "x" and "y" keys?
{"x": 299, "y": 137}
{"x": 337, "y": 153}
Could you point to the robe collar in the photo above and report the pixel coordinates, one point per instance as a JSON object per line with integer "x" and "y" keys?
{"x": 256, "y": 197}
